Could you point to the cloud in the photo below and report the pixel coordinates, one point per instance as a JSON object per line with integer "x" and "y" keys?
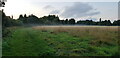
{"x": 51, "y": 9}
{"x": 55, "y": 12}
{"x": 94, "y": 19}
{"x": 78, "y": 10}
{"x": 48, "y": 7}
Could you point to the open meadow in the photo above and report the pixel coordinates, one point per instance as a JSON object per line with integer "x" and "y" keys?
{"x": 61, "y": 41}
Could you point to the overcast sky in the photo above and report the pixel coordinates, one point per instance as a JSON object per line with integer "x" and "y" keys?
{"x": 78, "y": 9}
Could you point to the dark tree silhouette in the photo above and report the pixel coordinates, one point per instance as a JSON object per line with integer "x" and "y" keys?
{"x": 116, "y": 23}
{"x": 66, "y": 21}
{"x": 53, "y": 20}
{"x": 72, "y": 21}
{"x": 21, "y": 17}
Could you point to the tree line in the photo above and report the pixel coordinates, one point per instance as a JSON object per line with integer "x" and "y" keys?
{"x": 51, "y": 20}
{"x": 54, "y": 20}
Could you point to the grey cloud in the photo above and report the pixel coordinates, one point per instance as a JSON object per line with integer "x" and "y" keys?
{"x": 52, "y": 9}
{"x": 55, "y": 12}
{"x": 78, "y": 10}
{"x": 93, "y": 13}
{"x": 48, "y": 7}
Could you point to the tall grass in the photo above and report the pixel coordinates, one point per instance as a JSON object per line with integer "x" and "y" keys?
{"x": 62, "y": 41}
{"x": 99, "y": 33}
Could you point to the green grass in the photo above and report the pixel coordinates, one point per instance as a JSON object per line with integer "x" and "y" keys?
{"x": 33, "y": 42}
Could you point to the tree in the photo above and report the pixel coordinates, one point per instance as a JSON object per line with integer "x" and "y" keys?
{"x": 25, "y": 16}
{"x": 21, "y": 17}
{"x": 62, "y": 22}
{"x": 116, "y": 23}
{"x": 33, "y": 19}
{"x": 25, "y": 20}
{"x": 108, "y": 23}
{"x": 100, "y": 20}
{"x": 72, "y": 21}
{"x": 8, "y": 22}
{"x": 66, "y": 21}
{"x": 50, "y": 19}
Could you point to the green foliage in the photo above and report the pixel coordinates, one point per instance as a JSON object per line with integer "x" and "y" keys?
{"x": 66, "y": 21}
{"x": 8, "y": 22}
{"x": 106, "y": 22}
{"x": 50, "y": 20}
{"x": 116, "y": 22}
{"x": 72, "y": 21}
{"x": 54, "y": 20}
{"x": 87, "y": 22}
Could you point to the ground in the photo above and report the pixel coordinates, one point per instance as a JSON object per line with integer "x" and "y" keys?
{"x": 61, "y": 41}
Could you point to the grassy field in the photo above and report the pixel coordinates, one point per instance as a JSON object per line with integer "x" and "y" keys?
{"x": 61, "y": 41}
